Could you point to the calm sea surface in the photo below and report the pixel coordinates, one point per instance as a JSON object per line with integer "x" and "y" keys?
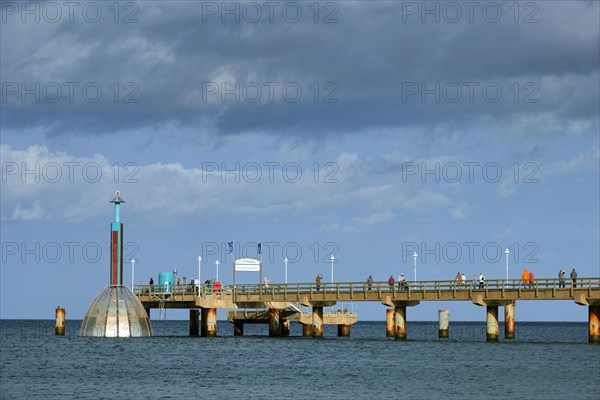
{"x": 546, "y": 361}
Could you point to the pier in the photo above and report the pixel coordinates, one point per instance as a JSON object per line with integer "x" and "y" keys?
{"x": 282, "y": 303}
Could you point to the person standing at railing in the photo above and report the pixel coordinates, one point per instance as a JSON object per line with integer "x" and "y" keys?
{"x": 458, "y": 279}
{"x": 391, "y": 281}
{"x": 574, "y": 277}
{"x": 370, "y": 282}
{"x": 266, "y": 280}
{"x": 463, "y": 279}
{"x": 151, "y": 284}
{"x": 525, "y": 277}
{"x": 318, "y": 282}
{"x": 481, "y": 280}
{"x": 402, "y": 282}
{"x": 561, "y": 278}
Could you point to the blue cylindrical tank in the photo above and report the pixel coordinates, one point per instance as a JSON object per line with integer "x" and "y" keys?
{"x": 166, "y": 280}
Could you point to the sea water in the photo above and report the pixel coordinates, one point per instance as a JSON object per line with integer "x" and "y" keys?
{"x": 545, "y": 361}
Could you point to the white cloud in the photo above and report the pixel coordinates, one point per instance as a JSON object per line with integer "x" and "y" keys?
{"x": 34, "y": 213}
{"x": 460, "y": 211}
{"x": 359, "y": 223}
{"x": 588, "y": 160}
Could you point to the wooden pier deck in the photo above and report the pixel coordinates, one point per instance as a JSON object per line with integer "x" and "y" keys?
{"x": 491, "y": 294}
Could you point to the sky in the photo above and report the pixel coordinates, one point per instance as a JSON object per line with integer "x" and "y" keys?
{"x": 366, "y": 130}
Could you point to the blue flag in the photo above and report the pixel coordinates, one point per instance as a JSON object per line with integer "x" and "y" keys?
{"x": 230, "y": 247}
{"x": 259, "y": 246}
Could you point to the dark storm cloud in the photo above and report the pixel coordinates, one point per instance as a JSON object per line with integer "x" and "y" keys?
{"x": 367, "y": 67}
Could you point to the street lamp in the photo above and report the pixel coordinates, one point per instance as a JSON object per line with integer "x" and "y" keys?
{"x": 217, "y": 264}
{"x": 285, "y": 261}
{"x": 507, "y": 253}
{"x": 133, "y": 261}
{"x": 199, "y": 268}
{"x": 332, "y": 258}
{"x": 415, "y": 257}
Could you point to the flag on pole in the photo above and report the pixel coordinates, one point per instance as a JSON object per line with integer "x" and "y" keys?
{"x": 230, "y": 247}
{"x": 259, "y": 247}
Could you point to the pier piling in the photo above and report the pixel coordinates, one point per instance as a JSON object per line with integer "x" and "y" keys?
{"x": 203, "y": 326}
{"x": 594, "y": 324}
{"x": 194, "y": 322}
{"x": 444, "y": 323}
{"x": 509, "y": 321}
{"x": 400, "y": 322}
{"x": 211, "y": 322}
{"x": 492, "y": 323}
{"x": 317, "y": 322}
{"x": 307, "y": 330}
{"x": 389, "y": 322}
{"x": 238, "y": 328}
{"x": 285, "y": 328}
{"x": 274, "y": 328}
{"x": 59, "y": 326}
{"x": 343, "y": 330}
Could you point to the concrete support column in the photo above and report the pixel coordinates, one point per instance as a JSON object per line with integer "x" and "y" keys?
{"x": 343, "y": 330}
{"x": 317, "y": 322}
{"x": 194, "y": 322}
{"x": 594, "y": 324}
{"x": 509, "y": 321}
{"x": 211, "y": 322}
{"x": 389, "y": 322}
{"x": 238, "y": 328}
{"x": 203, "y": 322}
{"x": 492, "y": 323}
{"x": 274, "y": 328}
{"x": 307, "y": 330}
{"x": 400, "y": 322}
{"x": 444, "y": 323}
{"x": 147, "y": 312}
{"x": 285, "y": 328}
{"x": 59, "y": 326}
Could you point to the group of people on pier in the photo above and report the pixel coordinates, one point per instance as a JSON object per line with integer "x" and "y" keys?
{"x": 527, "y": 277}
{"x": 461, "y": 280}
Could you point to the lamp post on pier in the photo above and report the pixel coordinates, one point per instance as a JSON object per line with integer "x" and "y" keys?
{"x": 332, "y": 258}
{"x": 415, "y": 258}
{"x": 506, "y": 252}
{"x": 199, "y": 268}
{"x": 285, "y": 261}
{"x": 217, "y": 265}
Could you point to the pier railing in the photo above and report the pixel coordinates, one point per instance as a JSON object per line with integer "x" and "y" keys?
{"x": 419, "y": 286}
{"x": 380, "y": 287}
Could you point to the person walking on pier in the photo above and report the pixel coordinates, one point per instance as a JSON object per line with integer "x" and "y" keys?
{"x": 391, "y": 281}
{"x": 151, "y": 284}
{"x": 481, "y": 280}
{"x": 370, "y": 281}
{"x": 531, "y": 279}
{"x": 574, "y": 277}
{"x": 561, "y": 278}
{"x": 463, "y": 279}
{"x": 318, "y": 282}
